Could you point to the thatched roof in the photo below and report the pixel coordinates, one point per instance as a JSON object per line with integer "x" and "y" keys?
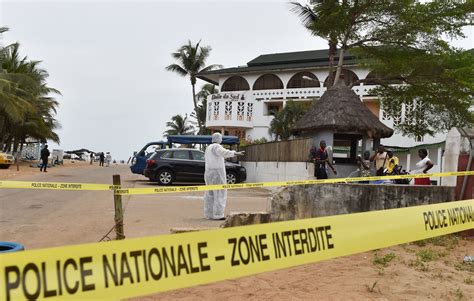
{"x": 341, "y": 110}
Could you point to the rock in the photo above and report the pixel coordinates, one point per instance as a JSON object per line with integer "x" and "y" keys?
{"x": 236, "y": 219}
{"x": 184, "y": 230}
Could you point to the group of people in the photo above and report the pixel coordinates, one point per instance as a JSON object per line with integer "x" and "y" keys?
{"x": 103, "y": 158}
{"x": 384, "y": 161}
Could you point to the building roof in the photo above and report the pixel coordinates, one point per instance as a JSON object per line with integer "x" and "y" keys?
{"x": 341, "y": 110}
{"x": 279, "y": 61}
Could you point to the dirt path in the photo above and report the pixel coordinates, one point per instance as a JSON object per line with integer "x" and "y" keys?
{"x": 430, "y": 270}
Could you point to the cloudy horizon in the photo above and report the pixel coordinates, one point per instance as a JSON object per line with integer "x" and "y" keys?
{"x": 108, "y": 58}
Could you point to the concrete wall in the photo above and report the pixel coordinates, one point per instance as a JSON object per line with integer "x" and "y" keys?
{"x": 305, "y": 201}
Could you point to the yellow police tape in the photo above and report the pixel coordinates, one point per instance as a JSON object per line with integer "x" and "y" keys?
{"x": 135, "y": 267}
{"x": 54, "y": 185}
{"x": 171, "y": 189}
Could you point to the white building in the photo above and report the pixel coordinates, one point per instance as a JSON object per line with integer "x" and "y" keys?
{"x": 248, "y": 94}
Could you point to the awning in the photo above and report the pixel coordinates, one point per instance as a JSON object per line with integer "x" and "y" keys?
{"x": 201, "y": 139}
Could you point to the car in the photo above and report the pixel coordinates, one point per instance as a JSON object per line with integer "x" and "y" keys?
{"x": 6, "y": 160}
{"x": 186, "y": 165}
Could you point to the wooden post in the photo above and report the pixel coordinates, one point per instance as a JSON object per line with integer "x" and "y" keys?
{"x": 118, "y": 210}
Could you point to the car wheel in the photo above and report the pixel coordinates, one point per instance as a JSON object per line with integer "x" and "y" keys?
{"x": 231, "y": 177}
{"x": 165, "y": 177}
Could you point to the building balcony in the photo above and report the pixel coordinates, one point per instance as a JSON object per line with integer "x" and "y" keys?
{"x": 361, "y": 90}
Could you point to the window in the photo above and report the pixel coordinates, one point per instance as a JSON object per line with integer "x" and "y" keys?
{"x": 166, "y": 155}
{"x": 297, "y": 80}
{"x": 349, "y": 77}
{"x": 240, "y": 110}
{"x": 345, "y": 148}
{"x": 216, "y": 110}
{"x": 181, "y": 154}
{"x": 268, "y": 82}
{"x": 209, "y": 110}
{"x": 228, "y": 110}
{"x": 273, "y": 107}
{"x": 249, "y": 111}
{"x": 235, "y": 83}
{"x": 198, "y": 156}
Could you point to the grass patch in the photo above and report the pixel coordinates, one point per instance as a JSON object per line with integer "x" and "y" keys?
{"x": 384, "y": 260}
{"x": 462, "y": 266}
{"x": 427, "y": 255}
{"x": 447, "y": 241}
{"x": 469, "y": 280}
{"x": 419, "y": 265}
{"x": 458, "y": 294}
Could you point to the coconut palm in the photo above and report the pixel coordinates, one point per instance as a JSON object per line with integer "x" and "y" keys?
{"x": 200, "y": 113}
{"x": 27, "y": 108}
{"x": 284, "y": 121}
{"x": 192, "y": 60}
{"x": 179, "y": 125}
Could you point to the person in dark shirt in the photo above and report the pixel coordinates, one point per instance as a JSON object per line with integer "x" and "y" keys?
{"x": 320, "y": 158}
{"x": 101, "y": 159}
{"x": 44, "y": 158}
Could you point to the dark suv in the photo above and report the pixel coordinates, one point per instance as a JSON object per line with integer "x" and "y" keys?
{"x": 187, "y": 165}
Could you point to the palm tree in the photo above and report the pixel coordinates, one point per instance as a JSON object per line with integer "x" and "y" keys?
{"x": 314, "y": 20}
{"x": 192, "y": 60}
{"x": 284, "y": 121}
{"x": 27, "y": 108}
{"x": 200, "y": 113}
{"x": 179, "y": 125}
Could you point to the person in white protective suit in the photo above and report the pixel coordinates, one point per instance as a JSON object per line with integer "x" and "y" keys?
{"x": 215, "y": 200}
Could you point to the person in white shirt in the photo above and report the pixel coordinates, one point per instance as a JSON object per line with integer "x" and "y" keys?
{"x": 215, "y": 200}
{"x": 108, "y": 159}
{"x": 422, "y": 167}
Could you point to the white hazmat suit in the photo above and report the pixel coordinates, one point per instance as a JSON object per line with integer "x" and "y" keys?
{"x": 215, "y": 200}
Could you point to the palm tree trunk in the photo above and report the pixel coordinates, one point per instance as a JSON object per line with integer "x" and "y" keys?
{"x": 339, "y": 66}
{"x": 332, "y": 54}
{"x": 196, "y": 107}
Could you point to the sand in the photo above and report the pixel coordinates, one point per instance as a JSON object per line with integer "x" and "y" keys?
{"x": 432, "y": 270}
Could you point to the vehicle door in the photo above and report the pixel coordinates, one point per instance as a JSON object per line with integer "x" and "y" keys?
{"x": 199, "y": 165}
{"x": 181, "y": 164}
{"x": 139, "y": 159}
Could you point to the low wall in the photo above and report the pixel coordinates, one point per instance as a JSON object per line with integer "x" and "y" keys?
{"x": 305, "y": 201}
{"x": 289, "y": 171}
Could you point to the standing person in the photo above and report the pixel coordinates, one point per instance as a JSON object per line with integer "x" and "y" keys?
{"x": 101, "y": 159}
{"x": 392, "y": 163}
{"x": 364, "y": 166}
{"x": 92, "y": 157}
{"x": 380, "y": 158}
{"x": 108, "y": 159}
{"x": 320, "y": 158}
{"x": 44, "y": 158}
{"x": 422, "y": 167}
{"x": 215, "y": 200}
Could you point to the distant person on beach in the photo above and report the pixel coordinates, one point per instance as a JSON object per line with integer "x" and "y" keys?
{"x": 108, "y": 159}
{"x": 44, "y": 158}
{"x": 101, "y": 159}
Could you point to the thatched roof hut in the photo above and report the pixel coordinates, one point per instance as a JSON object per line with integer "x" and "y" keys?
{"x": 340, "y": 110}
